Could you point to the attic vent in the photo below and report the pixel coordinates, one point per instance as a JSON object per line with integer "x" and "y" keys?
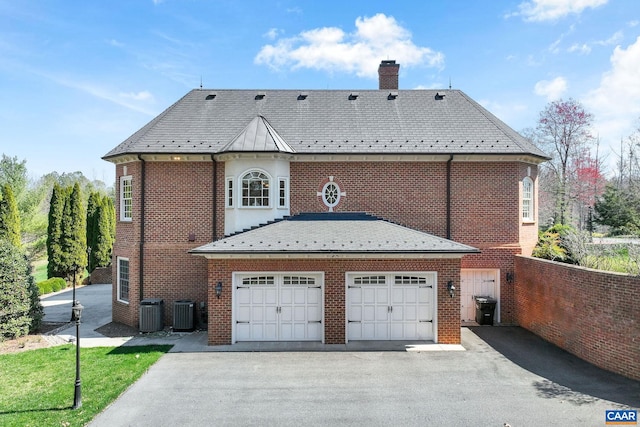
{"x": 439, "y": 97}
{"x": 211, "y": 95}
{"x": 354, "y": 95}
{"x": 302, "y": 95}
{"x": 260, "y": 95}
{"x": 392, "y": 95}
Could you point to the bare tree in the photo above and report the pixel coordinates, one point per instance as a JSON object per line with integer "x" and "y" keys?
{"x": 564, "y": 132}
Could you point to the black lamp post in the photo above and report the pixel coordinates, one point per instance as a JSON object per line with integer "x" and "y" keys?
{"x": 77, "y": 395}
{"x": 73, "y": 298}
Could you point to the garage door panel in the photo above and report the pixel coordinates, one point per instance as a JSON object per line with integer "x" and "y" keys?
{"x": 392, "y": 307}
{"x": 279, "y": 307}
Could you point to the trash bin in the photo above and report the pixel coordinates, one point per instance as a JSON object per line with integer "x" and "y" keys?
{"x": 485, "y": 307}
{"x": 151, "y": 310}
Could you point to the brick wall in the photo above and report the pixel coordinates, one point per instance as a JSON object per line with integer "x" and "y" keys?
{"x": 100, "y": 275}
{"x": 592, "y": 314}
{"x": 178, "y": 217}
{"x": 220, "y": 309}
{"x": 485, "y": 205}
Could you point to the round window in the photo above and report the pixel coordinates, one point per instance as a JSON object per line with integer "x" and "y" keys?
{"x": 331, "y": 194}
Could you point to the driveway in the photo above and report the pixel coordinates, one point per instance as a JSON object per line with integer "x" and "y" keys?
{"x": 505, "y": 375}
{"x": 476, "y": 387}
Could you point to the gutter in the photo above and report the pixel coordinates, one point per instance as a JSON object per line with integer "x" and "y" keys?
{"x": 449, "y": 196}
{"x": 142, "y": 221}
{"x": 214, "y": 227}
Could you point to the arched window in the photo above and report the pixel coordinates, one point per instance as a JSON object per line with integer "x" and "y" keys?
{"x": 255, "y": 189}
{"x": 527, "y": 199}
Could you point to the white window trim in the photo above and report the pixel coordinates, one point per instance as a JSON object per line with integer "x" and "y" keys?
{"x": 241, "y": 189}
{"x": 530, "y": 215}
{"x": 123, "y": 212}
{"x": 118, "y": 260}
{"x": 283, "y": 181}
{"x": 339, "y": 194}
{"x": 229, "y": 199}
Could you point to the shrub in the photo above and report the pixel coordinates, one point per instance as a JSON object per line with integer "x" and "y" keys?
{"x": 20, "y": 308}
{"x": 51, "y": 285}
{"x": 44, "y": 287}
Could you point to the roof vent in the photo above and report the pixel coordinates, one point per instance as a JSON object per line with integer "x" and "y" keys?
{"x": 260, "y": 95}
{"x": 354, "y": 95}
{"x": 211, "y": 95}
{"x": 439, "y": 97}
{"x": 392, "y": 95}
{"x": 302, "y": 95}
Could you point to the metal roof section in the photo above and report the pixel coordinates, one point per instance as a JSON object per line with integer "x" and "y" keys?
{"x": 258, "y": 136}
{"x": 319, "y": 122}
{"x": 338, "y": 235}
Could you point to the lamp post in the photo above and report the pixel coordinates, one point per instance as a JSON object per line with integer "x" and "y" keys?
{"x": 77, "y": 395}
{"x": 73, "y": 298}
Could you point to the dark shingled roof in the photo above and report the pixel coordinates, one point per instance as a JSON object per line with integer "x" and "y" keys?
{"x": 333, "y": 233}
{"x": 327, "y": 122}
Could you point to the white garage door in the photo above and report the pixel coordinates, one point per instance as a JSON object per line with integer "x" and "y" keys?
{"x": 391, "y": 306}
{"x": 278, "y": 307}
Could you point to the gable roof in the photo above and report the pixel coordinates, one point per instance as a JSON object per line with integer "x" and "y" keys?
{"x": 327, "y": 122}
{"x": 332, "y": 234}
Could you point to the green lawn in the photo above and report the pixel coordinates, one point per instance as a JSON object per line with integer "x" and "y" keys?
{"x": 37, "y": 386}
{"x": 39, "y": 271}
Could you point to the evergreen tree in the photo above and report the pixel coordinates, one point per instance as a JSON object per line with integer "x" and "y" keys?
{"x": 9, "y": 217}
{"x": 74, "y": 229}
{"x": 20, "y": 311}
{"x": 93, "y": 206}
{"x": 54, "y": 232}
{"x": 104, "y": 240}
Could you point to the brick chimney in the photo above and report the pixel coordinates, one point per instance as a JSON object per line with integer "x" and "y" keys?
{"x": 388, "y": 75}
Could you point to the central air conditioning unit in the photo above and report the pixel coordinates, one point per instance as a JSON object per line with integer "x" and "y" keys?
{"x": 151, "y": 310}
{"x": 184, "y": 315}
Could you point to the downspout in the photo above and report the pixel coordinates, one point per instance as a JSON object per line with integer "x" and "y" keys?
{"x": 449, "y": 196}
{"x": 142, "y": 220}
{"x": 214, "y": 228}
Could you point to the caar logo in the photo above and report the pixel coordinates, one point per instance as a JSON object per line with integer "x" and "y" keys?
{"x": 621, "y": 417}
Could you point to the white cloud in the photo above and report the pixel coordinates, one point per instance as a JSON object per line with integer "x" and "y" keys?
{"x": 616, "y": 102}
{"x": 614, "y": 39}
{"x": 139, "y": 96}
{"x": 551, "y": 10}
{"x": 584, "y": 48}
{"x": 272, "y": 33}
{"x": 551, "y": 89}
{"x": 331, "y": 49}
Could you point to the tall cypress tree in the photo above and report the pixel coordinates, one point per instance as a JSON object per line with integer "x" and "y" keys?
{"x": 93, "y": 206}
{"x": 54, "y": 232}
{"x": 9, "y": 217}
{"x": 74, "y": 229}
{"x": 104, "y": 241}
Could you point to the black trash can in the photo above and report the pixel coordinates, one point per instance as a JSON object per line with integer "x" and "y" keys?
{"x": 485, "y": 308}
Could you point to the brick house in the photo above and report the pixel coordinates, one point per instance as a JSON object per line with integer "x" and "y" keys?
{"x": 324, "y": 215}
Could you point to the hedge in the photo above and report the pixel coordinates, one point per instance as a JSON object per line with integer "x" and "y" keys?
{"x": 51, "y": 285}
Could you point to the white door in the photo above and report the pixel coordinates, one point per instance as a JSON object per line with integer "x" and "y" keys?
{"x": 390, "y": 306}
{"x": 278, "y": 307}
{"x": 477, "y": 283}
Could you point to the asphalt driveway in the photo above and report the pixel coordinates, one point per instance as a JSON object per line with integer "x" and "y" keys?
{"x": 505, "y": 375}
{"x": 476, "y": 387}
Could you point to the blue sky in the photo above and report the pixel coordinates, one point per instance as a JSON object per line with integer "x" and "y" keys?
{"x": 79, "y": 77}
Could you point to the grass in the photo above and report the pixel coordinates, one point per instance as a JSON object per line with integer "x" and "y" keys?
{"x": 39, "y": 271}
{"x": 37, "y": 386}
